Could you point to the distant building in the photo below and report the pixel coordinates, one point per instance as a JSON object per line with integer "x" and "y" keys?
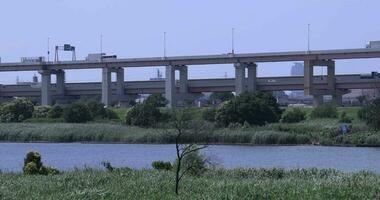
{"x": 297, "y": 70}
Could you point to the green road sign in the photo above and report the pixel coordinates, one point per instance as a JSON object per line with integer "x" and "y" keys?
{"x": 67, "y": 47}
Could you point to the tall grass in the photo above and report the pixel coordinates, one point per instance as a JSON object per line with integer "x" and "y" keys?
{"x": 214, "y": 184}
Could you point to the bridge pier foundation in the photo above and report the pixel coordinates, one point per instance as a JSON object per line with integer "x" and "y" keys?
{"x": 337, "y": 99}
{"x": 106, "y": 86}
{"x": 60, "y": 74}
{"x": 252, "y": 77}
{"x": 317, "y": 100}
{"x": 240, "y": 78}
{"x": 120, "y": 90}
{"x": 170, "y": 89}
{"x": 46, "y": 99}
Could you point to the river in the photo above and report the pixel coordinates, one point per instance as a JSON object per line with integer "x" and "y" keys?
{"x": 74, "y": 155}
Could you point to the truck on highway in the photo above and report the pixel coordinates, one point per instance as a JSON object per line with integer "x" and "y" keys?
{"x": 373, "y": 45}
{"x": 100, "y": 57}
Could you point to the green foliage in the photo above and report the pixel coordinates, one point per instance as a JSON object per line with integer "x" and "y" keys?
{"x": 221, "y": 96}
{"x": 16, "y": 111}
{"x": 77, "y": 113}
{"x": 156, "y": 100}
{"x": 279, "y": 138}
{"x": 55, "y": 112}
{"x": 373, "y": 140}
{"x": 363, "y": 113}
{"x": 42, "y": 111}
{"x": 344, "y": 118}
{"x": 213, "y": 184}
{"x": 293, "y": 116}
{"x": 33, "y": 165}
{"x": 254, "y": 108}
{"x": 162, "y": 165}
{"x": 146, "y": 114}
{"x": 194, "y": 163}
{"x": 107, "y": 165}
{"x": 324, "y": 111}
{"x": 208, "y": 114}
{"x": 373, "y": 115}
{"x": 96, "y": 108}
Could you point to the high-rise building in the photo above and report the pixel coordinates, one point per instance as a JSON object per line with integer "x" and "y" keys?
{"x": 297, "y": 69}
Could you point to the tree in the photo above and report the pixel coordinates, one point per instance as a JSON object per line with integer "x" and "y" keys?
{"x": 16, "y": 111}
{"x": 254, "y": 108}
{"x": 187, "y": 152}
{"x": 221, "y": 96}
{"x": 77, "y": 113}
{"x": 373, "y": 114}
{"x": 156, "y": 100}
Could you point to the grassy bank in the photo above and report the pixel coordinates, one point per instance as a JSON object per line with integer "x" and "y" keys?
{"x": 319, "y": 131}
{"x": 215, "y": 184}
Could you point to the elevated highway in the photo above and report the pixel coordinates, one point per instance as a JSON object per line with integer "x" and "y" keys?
{"x": 343, "y": 83}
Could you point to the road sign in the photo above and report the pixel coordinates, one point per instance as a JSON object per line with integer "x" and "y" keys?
{"x": 67, "y": 47}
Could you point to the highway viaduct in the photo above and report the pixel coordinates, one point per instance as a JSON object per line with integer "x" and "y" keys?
{"x": 177, "y": 91}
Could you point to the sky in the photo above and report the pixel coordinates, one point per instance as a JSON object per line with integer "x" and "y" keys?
{"x": 133, "y": 29}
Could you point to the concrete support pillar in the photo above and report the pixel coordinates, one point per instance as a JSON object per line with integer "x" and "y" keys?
{"x": 183, "y": 80}
{"x": 252, "y": 77}
{"x": 170, "y": 89}
{"x": 317, "y": 100}
{"x": 60, "y": 82}
{"x": 106, "y": 86}
{"x": 120, "y": 82}
{"x": 331, "y": 76}
{"x": 45, "y": 87}
{"x": 239, "y": 78}
{"x": 308, "y": 77}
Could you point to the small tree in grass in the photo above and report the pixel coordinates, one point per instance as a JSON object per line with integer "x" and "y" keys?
{"x": 188, "y": 159}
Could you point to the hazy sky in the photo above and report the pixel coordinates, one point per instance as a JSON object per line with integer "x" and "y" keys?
{"x": 135, "y": 29}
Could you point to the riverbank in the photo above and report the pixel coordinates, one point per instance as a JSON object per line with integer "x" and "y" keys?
{"x": 214, "y": 184}
{"x": 310, "y": 132}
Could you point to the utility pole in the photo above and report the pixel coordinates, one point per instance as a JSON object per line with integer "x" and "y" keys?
{"x": 48, "y": 49}
{"x": 233, "y": 41}
{"x": 308, "y": 38}
{"x": 164, "y": 44}
{"x": 101, "y": 43}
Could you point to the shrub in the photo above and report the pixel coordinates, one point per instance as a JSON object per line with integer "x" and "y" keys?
{"x": 55, "y": 112}
{"x": 77, "y": 113}
{"x": 110, "y": 114}
{"x": 373, "y": 140}
{"x": 156, "y": 100}
{"x": 195, "y": 163}
{"x": 344, "y": 118}
{"x": 161, "y": 165}
{"x": 373, "y": 115}
{"x": 16, "y": 111}
{"x": 221, "y": 96}
{"x": 363, "y": 113}
{"x": 41, "y": 112}
{"x": 209, "y": 114}
{"x": 33, "y": 165}
{"x": 254, "y": 108}
{"x": 293, "y": 116}
{"x": 97, "y": 109}
{"x": 324, "y": 111}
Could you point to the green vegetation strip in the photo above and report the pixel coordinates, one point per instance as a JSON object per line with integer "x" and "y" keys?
{"x": 214, "y": 184}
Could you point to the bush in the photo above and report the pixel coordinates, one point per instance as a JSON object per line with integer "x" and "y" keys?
{"x": 33, "y": 165}
{"x": 324, "y": 111}
{"x": 42, "y": 112}
{"x": 344, "y": 118}
{"x": 110, "y": 114}
{"x": 363, "y": 113}
{"x": 254, "y": 108}
{"x": 55, "y": 112}
{"x": 373, "y": 115}
{"x": 217, "y": 97}
{"x": 195, "y": 163}
{"x": 293, "y": 116}
{"x": 77, "y": 113}
{"x": 161, "y": 165}
{"x": 156, "y": 100}
{"x": 373, "y": 141}
{"x": 16, "y": 111}
{"x": 209, "y": 114}
{"x": 96, "y": 108}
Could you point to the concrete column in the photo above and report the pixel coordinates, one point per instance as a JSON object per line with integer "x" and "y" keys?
{"x": 45, "y": 87}
{"x": 106, "y": 86}
{"x": 317, "y": 100}
{"x": 252, "y": 77}
{"x": 331, "y": 76}
{"x": 183, "y": 80}
{"x": 239, "y": 78}
{"x": 170, "y": 89}
{"x": 308, "y": 77}
{"x": 60, "y": 82}
{"x": 120, "y": 82}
